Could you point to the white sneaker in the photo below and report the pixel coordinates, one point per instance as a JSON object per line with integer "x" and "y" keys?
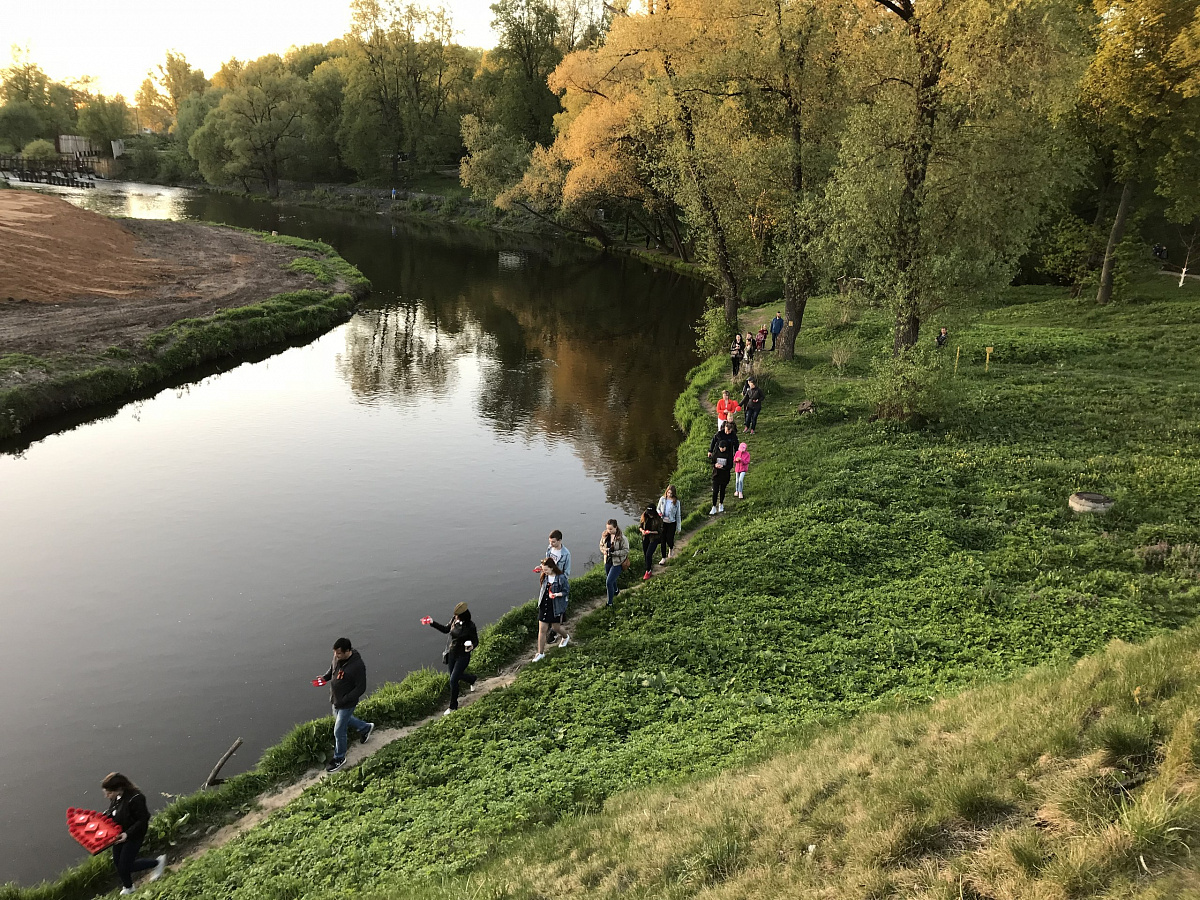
{"x": 446, "y": 712}
{"x": 539, "y": 657}
{"x": 565, "y": 641}
{"x": 471, "y": 687}
{"x": 721, "y": 508}
{"x": 125, "y": 891}
{"x": 160, "y": 868}
{"x": 713, "y": 511}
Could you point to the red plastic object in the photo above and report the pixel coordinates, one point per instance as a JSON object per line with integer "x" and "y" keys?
{"x": 94, "y": 831}
{"x": 319, "y": 682}
{"x": 426, "y": 620}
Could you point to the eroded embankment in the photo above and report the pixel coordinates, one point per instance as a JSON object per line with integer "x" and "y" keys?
{"x": 92, "y": 309}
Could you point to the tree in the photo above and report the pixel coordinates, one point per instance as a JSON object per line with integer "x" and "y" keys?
{"x": 103, "y": 120}
{"x": 495, "y": 159}
{"x": 255, "y": 129}
{"x": 19, "y": 124}
{"x": 527, "y": 50}
{"x": 40, "y": 150}
{"x": 1140, "y": 86}
{"x": 948, "y": 158}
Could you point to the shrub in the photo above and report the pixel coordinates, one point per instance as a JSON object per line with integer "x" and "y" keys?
{"x": 40, "y": 151}
{"x": 907, "y": 387}
{"x": 713, "y": 333}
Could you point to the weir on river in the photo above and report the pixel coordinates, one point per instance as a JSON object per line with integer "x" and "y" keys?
{"x": 177, "y": 567}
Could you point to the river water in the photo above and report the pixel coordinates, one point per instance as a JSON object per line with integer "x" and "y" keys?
{"x": 175, "y": 569}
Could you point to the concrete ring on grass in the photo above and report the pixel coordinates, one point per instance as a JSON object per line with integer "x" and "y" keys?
{"x": 1088, "y": 502}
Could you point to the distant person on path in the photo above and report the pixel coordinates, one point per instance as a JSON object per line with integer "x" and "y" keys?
{"x": 127, "y": 807}
{"x": 464, "y": 637}
{"x": 615, "y": 548}
{"x": 726, "y": 409}
{"x": 741, "y": 465}
{"x": 671, "y": 511}
{"x": 776, "y": 329}
{"x": 552, "y": 606}
{"x": 749, "y": 351}
{"x": 760, "y": 340}
{"x": 650, "y": 526}
{"x": 722, "y": 449}
{"x": 941, "y": 338}
{"x": 347, "y": 679}
{"x": 754, "y": 402}
{"x": 559, "y": 553}
{"x": 736, "y": 351}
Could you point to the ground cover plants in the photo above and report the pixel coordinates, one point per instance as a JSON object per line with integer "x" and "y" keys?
{"x": 871, "y": 563}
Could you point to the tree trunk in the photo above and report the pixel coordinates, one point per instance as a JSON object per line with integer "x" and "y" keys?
{"x": 1104, "y": 294}
{"x": 1094, "y": 258}
{"x": 917, "y": 152}
{"x": 794, "y": 303}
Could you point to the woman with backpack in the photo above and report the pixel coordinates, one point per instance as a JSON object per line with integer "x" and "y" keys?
{"x": 464, "y": 637}
{"x": 671, "y": 511}
{"x": 552, "y": 606}
{"x": 650, "y": 525}
{"x": 127, "y": 807}
{"x": 615, "y": 548}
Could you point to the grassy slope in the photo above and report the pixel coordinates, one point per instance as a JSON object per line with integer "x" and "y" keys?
{"x": 55, "y": 384}
{"x": 868, "y": 564}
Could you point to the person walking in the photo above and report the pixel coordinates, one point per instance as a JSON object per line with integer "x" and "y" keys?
{"x": 760, "y": 339}
{"x": 754, "y": 402}
{"x": 776, "y": 329}
{"x": 721, "y": 452}
{"x": 727, "y": 408}
{"x": 671, "y": 512}
{"x": 615, "y": 547}
{"x": 347, "y": 680}
{"x": 559, "y": 553}
{"x": 552, "y": 606}
{"x": 650, "y": 525}
{"x": 127, "y": 807}
{"x": 741, "y": 465}
{"x": 748, "y": 352}
{"x": 736, "y": 351}
{"x": 464, "y": 637}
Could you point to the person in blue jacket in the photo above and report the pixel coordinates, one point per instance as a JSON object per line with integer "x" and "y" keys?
{"x": 776, "y": 328}
{"x": 552, "y": 605}
{"x": 560, "y": 554}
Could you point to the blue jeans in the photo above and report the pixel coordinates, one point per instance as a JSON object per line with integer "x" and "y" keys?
{"x": 611, "y": 574}
{"x": 342, "y": 720}
{"x": 752, "y": 418}
{"x": 739, "y": 481}
{"x": 125, "y": 858}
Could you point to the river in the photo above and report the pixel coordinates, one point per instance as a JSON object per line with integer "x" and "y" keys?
{"x": 175, "y": 568}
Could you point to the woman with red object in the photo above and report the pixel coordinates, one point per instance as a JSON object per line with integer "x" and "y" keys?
{"x": 127, "y": 807}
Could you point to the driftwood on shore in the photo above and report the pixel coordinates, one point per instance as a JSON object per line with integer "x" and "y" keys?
{"x": 212, "y": 779}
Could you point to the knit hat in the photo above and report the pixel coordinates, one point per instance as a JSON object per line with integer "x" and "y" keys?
{"x": 460, "y": 609}
{"x": 742, "y": 446}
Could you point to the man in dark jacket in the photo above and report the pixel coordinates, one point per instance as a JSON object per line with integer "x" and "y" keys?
{"x": 776, "y": 328}
{"x": 347, "y": 677}
{"x": 721, "y": 451}
{"x": 753, "y": 404}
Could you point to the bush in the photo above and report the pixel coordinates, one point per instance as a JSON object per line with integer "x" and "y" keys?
{"x": 40, "y": 151}
{"x": 713, "y": 333}
{"x": 907, "y": 388}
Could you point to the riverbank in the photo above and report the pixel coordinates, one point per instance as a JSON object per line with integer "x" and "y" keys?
{"x": 93, "y": 308}
{"x": 870, "y": 566}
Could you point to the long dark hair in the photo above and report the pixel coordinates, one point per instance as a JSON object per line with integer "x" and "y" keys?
{"x": 549, "y": 564}
{"x": 117, "y": 782}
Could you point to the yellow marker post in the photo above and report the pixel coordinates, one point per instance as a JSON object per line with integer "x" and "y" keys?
{"x": 987, "y": 362}
{"x": 957, "y": 353}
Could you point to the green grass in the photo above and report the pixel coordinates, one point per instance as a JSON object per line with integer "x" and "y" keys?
{"x": 871, "y": 567}
{"x": 33, "y": 388}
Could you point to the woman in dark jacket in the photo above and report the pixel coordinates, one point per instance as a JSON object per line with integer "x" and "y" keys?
{"x": 553, "y": 591}
{"x": 736, "y": 352}
{"x": 127, "y": 807}
{"x": 650, "y": 525}
{"x": 464, "y": 638}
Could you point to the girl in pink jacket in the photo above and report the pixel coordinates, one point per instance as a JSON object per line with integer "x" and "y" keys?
{"x": 741, "y": 464}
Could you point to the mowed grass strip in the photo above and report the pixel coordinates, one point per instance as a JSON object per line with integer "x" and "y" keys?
{"x": 870, "y": 564}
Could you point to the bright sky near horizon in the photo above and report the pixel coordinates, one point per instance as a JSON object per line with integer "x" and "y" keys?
{"x": 119, "y": 44}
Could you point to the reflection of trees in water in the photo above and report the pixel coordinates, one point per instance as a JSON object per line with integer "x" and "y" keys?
{"x": 587, "y": 348}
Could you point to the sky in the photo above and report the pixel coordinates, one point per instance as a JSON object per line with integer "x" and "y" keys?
{"x": 118, "y": 45}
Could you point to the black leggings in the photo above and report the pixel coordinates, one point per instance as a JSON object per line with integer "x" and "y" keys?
{"x": 720, "y": 482}
{"x": 737, "y": 365}
{"x": 649, "y": 543}
{"x": 458, "y": 672}
{"x": 668, "y": 538}
{"x": 751, "y": 418}
{"x": 125, "y": 858}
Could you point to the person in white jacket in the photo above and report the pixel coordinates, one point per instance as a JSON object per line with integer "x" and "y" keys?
{"x": 671, "y": 511}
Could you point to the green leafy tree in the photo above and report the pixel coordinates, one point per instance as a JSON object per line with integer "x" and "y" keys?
{"x": 255, "y": 129}
{"x": 40, "y": 150}
{"x": 495, "y": 159}
{"x": 528, "y": 48}
{"x": 1141, "y": 87}
{"x": 19, "y": 124}
{"x": 103, "y": 120}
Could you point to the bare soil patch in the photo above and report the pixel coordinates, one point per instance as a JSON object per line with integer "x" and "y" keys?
{"x": 73, "y": 280}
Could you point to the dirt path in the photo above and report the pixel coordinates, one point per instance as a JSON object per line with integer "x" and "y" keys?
{"x": 357, "y": 752}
